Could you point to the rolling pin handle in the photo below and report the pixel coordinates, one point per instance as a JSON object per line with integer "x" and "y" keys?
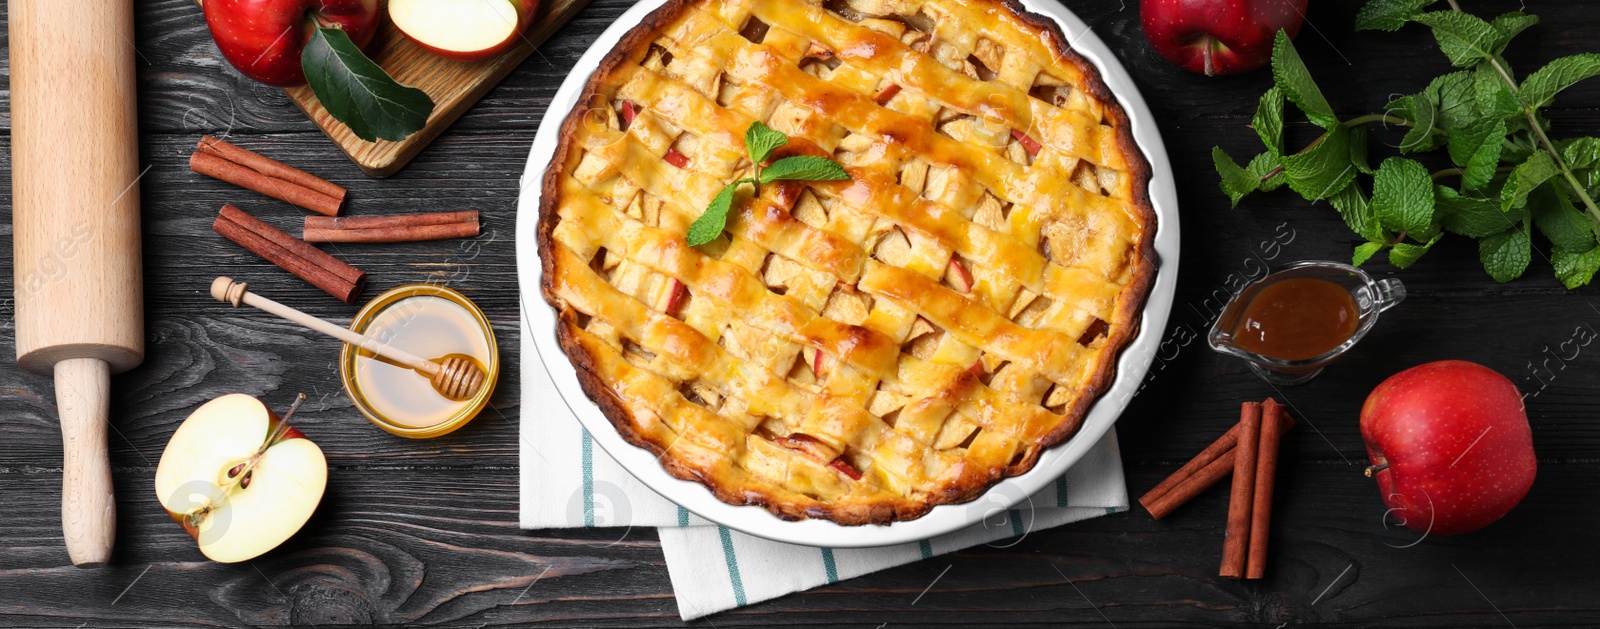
{"x": 88, "y": 511}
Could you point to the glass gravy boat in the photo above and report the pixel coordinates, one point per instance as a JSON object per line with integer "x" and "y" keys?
{"x": 1372, "y": 297}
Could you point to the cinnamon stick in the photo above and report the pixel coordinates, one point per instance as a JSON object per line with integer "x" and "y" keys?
{"x": 222, "y": 160}
{"x": 1222, "y": 446}
{"x": 1200, "y": 473}
{"x": 1266, "y": 468}
{"x": 407, "y": 228}
{"x": 291, "y": 254}
{"x": 1235, "y": 543}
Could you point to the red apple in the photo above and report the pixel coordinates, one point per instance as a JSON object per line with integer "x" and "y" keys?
{"x": 1450, "y": 446}
{"x": 1219, "y": 36}
{"x": 263, "y": 38}
{"x": 463, "y": 30}
{"x": 237, "y": 480}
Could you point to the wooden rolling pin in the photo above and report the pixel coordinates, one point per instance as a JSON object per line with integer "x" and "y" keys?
{"x": 75, "y": 204}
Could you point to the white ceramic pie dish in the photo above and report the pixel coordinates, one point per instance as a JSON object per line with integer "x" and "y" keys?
{"x": 1131, "y": 365}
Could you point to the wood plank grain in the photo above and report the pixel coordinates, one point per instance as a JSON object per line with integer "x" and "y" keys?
{"x": 417, "y": 544}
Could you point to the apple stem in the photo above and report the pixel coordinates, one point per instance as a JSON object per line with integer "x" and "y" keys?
{"x": 1374, "y": 469}
{"x": 1211, "y": 68}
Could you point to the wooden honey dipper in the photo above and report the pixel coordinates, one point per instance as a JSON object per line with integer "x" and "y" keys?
{"x": 456, "y": 377}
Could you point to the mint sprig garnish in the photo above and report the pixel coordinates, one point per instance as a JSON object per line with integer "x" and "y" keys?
{"x": 1510, "y": 179}
{"x": 760, "y": 141}
{"x": 360, "y": 93}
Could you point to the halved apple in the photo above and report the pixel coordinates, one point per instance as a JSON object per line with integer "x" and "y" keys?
{"x": 463, "y": 30}
{"x": 237, "y": 487}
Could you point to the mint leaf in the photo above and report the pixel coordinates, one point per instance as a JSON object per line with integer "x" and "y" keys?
{"x": 1268, "y": 121}
{"x": 1236, "y": 182}
{"x": 1580, "y": 152}
{"x": 1505, "y": 255}
{"x": 1402, "y": 195}
{"x": 1508, "y": 25}
{"x": 1558, "y": 220}
{"x": 1541, "y": 87}
{"x": 804, "y": 168}
{"x": 1469, "y": 216}
{"x": 1576, "y": 269}
{"x": 715, "y": 219}
{"x": 1262, "y": 167}
{"x": 358, "y": 93}
{"x": 1291, "y": 76}
{"x": 1324, "y": 169}
{"x": 1423, "y": 112}
{"x": 1492, "y": 94}
{"x": 1358, "y": 150}
{"x": 1528, "y": 175}
{"x": 1464, "y": 38}
{"x": 1357, "y": 213}
{"x": 1364, "y": 252}
{"x": 1456, "y": 97}
{"x": 760, "y": 140}
{"x": 1405, "y": 254}
{"x": 1476, "y": 149}
{"x": 1388, "y": 15}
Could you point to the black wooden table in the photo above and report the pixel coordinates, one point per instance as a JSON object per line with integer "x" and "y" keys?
{"x": 426, "y": 531}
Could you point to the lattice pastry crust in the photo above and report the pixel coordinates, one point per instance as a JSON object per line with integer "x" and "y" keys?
{"x": 859, "y": 350}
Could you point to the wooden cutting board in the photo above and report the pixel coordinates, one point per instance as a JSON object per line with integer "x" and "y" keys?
{"x": 454, "y": 86}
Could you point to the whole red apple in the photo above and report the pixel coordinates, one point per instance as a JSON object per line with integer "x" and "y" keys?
{"x": 263, "y": 38}
{"x": 1219, "y": 36}
{"x": 1450, "y": 446}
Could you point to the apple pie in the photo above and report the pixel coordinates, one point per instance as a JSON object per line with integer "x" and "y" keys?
{"x": 859, "y": 350}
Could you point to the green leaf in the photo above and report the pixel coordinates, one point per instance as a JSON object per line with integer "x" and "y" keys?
{"x": 1505, "y": 255}
{"x": 1541, "y": 87}
{"x": 1236, "y": 182}
{"x": 1493, "y": 95}
{"x": 1364, "y": 252}
{"x": 1402, "y": 195}
{"x": 1388, "y": 15}
{"x": 1469, "y": 216}
{"x": 1405, "y": 254}
{"x": 1291, "y": 76}
{"x": 1263, "y": 165}
{"x": 1423, "y": 112}
{"x": 1457, "y": 99}
{"x": 715, "y": 219}
{"x": 358, "y": 93}
{"x": 1357, "y": 213}
{"x": 1580, "y": 152}
{"x": 1268, "y": 121}
{"x": 1528, "y": 175}
{"x": 804, "y": 168}
{"x": 1576, "y": 269}
{"x": 1463, "y": 37}
{"x": 760, "y": 140}
{"x": 1476, "y": 149}
{"x": 1509, "y": 25}
{"x": 1358, "y": 150}
{"x": 1324, "y": 169}
{"x": 1563, "y": 224}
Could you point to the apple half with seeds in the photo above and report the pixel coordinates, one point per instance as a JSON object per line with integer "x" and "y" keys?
{"x": 239, "y": 479}
{"x": 463, "y": 30}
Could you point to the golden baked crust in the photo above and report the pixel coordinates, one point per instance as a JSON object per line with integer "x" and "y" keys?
{"x": 931, "y": 326}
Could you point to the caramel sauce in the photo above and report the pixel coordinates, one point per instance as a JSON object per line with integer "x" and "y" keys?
{"x": 1297, "y": 318}
{"x": 428, "y": 326}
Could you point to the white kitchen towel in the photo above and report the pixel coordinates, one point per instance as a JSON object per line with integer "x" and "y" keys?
{"x": 568, "y": 482}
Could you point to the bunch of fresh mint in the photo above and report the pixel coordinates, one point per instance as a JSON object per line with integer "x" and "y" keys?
{"x": 1510, "y": 177}
{"x": 760, "y": 141}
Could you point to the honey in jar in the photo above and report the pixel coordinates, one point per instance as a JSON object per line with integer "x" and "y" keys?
{"x": 432, "y": 322}
{"x": 1297, "y": 319}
